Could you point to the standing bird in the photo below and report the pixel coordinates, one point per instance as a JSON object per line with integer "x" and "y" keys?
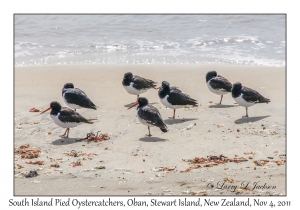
{"x": 65, "y": 117}
{"x": 218, "y": 84}
{"x": 136, "y": 85}
{"x": 76, "y": 98}
{"x": 247, "y": 97}
{"x": 174, "y": 98}
{"x": 149, "y": 115}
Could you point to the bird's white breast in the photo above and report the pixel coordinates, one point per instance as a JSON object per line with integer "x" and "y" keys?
{"x": 165, "y": 102}
{"x": 243, "y": 102}
{"x": 130, "y": 89}
{"x": 62, "y": 124}
{"x": 216, "y": 91}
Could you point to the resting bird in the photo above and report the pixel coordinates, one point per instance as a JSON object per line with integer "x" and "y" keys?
{"x": 247, "y": 97}
{"x": 65, "y": 117}
{"x": 149, "y": 115}
{"x": 136, "y": 85}
{"x": 174, "y": 98}
{"x": 76, "y": 98}
{"x": 218, "y": 84}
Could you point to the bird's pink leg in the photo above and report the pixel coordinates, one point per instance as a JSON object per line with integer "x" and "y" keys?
{"x": 221, "y": 99}
{"x": 173, "y": 115}
{"x": 149, "y": 131}
{"x": 65, "y": 135}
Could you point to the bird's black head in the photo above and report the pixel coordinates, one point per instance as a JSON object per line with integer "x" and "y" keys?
{"x": 210, "y": 75}
{"x": 55, "y": 105}
{"x": 165, "y": 85}
{"x": 236, "y": 89}
{"x": 164, "y": 89}
{"x": 142, "y": 101}
{"x": 69, "y": 85}
{"x": 237, "y": 86}
{"x": 128, "y": 75}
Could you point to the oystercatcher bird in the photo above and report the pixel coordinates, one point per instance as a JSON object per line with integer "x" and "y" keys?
{"x": 65, "y": 117}
{"x": 76, "y": 98}
{"x": 136, "y": 85}
{"x": 149, "y": 115}
{"x": 174, "y": 98}
{"x": 218, "y": 84}
{"x": 247, "y": 97}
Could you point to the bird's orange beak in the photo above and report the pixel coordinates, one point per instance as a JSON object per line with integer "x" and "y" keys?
{"x": 45, "y": 110}
{"x": 136, "y": 103}
{"x": 158, "y": 88}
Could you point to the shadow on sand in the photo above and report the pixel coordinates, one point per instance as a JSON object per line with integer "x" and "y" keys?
{"x": 222, "y": 106}
{"x": 152, "y": 139}
{"x": 67, "y": 141}
{"x": 250, "y": 119}
{"x": 177, "y": 121}
{"x": 129, "y": 105}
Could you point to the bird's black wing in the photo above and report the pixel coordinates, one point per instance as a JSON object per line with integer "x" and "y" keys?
{"x": 152, "y": 116}
{"x": 220, "y": 82}
{"x": 253, "y": 96}
{"x": 78, "y": 97}
{"x": 177, "y": 97}
{"x": 69, "y": 115}
{"x": 142, "y": 83}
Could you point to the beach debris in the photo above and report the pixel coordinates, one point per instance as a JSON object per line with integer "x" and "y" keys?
{"x": 55, "y": 165}
{"x": 229, "y": 180}
{"x": 189, "y": 127}
{"x": 123, "y": 169}
{"x": 164, "y": 169}
{"x": 249, "y": 153}
{"x": 96, "y": 138}
{"x": 265, "y": 162}
{"x": 34, "y": 110}
{"x": 73, "y": 153}
{"x": 27, "y": 153}
{"x": 194, "y": 166}
{"x": 220, "y": 125}
{"x": 210, "y": 161}
{"x": 77, "y": 163}
{"x": 238, "y": 160}
{"x": 19, "y": 166}
{"x": 31, "y": 174}
{"x": 38, "y": 162}
{"x": 100, "y": 167}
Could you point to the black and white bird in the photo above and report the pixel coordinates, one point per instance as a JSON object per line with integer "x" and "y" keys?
{"x": 76, "y": 98}
{"x": 149, "y": 115}
{"x": 174, "y": 98}
{"x": 65, "y": 117}
{"x": 136, "y": 85}
{"x": 247, "y": 97}
{"x": 218, "y": 84}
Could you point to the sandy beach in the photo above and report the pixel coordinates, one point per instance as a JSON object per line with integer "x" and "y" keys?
{"x": 131, "y": 163}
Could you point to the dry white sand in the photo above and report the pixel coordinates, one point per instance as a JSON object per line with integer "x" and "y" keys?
{"x": 131, "y": 159}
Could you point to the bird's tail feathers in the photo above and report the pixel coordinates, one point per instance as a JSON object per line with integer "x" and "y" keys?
{"x": 264, "y": 100}
{"x": 164, "y": 129}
